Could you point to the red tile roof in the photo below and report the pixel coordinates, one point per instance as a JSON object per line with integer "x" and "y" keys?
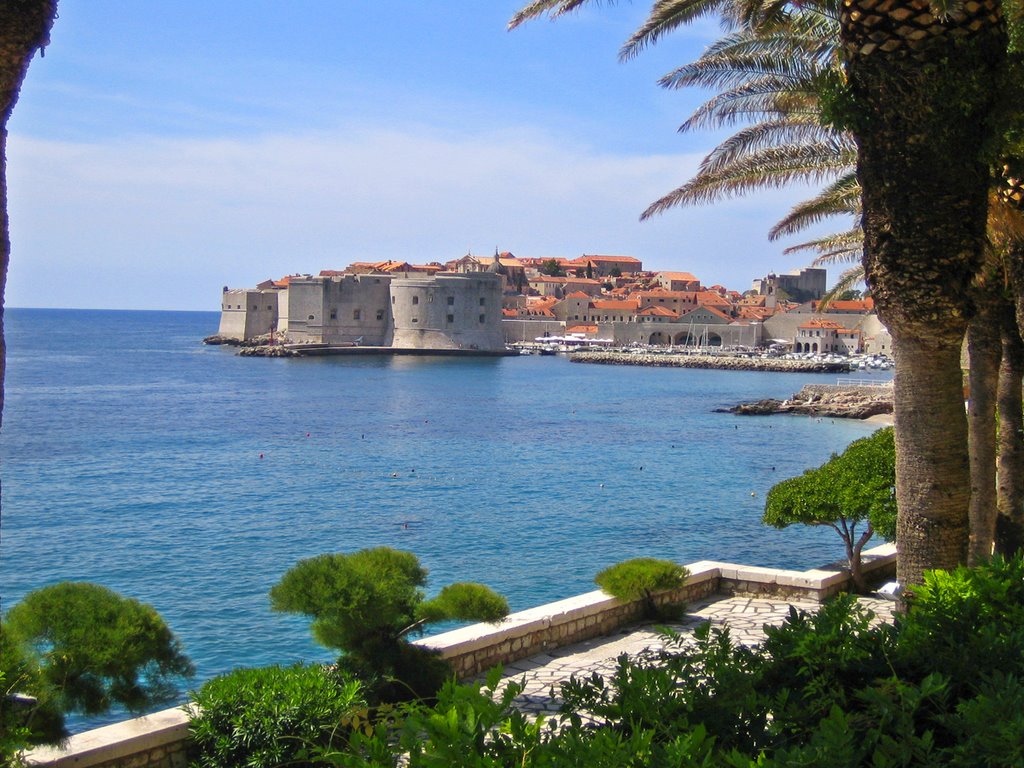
{"x": 659, "y": 311}
{"x": 627, "y": 304}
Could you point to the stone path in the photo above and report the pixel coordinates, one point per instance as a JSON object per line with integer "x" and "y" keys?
{"x": 744, "y": 616}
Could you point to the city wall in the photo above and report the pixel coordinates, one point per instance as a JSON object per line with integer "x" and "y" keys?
{"x": 160, "y": 740}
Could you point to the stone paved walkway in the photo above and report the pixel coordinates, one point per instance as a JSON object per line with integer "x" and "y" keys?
{"x": 744, "y": 616}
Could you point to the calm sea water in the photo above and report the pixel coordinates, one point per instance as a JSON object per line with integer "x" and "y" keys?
{"x": 190, "y": 478}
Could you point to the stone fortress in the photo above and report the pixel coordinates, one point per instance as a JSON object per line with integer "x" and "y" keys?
{"x": 403, "y": 311}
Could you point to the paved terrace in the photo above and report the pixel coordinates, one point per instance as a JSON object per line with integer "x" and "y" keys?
{"x": 744, "y": 616}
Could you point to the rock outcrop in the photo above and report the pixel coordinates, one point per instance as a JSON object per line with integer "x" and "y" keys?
{"x": 267, "y": 350}
{"x": 825, "y": 401}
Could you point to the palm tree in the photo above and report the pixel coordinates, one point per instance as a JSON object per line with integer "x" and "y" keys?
{"x": 916, "y": 98}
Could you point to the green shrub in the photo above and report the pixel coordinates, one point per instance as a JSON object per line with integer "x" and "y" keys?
{"x": 640, "y": 578}
{"x": 80, "y": 647}
{"x": 271, "y": 716}
{"x": 857, "y": 487}
{"x": 366, "y": 603}
{"x": 96, "y": 648}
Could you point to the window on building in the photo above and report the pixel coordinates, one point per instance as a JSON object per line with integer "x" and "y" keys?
{"x": 415, "y": 319}
{"x": 392, "y": 299}
{"x": 334, "y": 314}
{"x": 483, "y": 301}
{"x": 451, "y": 318}
{"x": 483, "y": 318}
{"x": 430, "y": 299}
{"x": 415, "y": 299}
{"x": 270, "y": 307}
{"x": 357, "y": 314}
{"x": 254, "y": 308}
{"x": 380, "y": 314}
{"x": 451, "y": 301}
{"x": 311, "y": 317}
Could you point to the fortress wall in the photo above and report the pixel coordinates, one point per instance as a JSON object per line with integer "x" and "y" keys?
{"x": 340, "y": 309}
{"x": 247, "y": 312}
{"x": 456, "y": 311}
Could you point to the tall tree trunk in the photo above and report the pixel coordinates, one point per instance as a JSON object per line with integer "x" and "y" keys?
{"x": 1010, "y": 467}
{"x": 921, "y": 92}
{"x": 984, "y": 350}
{"x": 24, "y": 29}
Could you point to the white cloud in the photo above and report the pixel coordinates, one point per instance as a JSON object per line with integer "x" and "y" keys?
{"x": 165, "y": 223}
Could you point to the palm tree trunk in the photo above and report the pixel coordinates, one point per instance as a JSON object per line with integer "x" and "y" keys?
{"x": 920, "y": 93}
{"x": 984, "y": 349}
{"x": 932, "y": 470}
{"x": 1010, "y": 488}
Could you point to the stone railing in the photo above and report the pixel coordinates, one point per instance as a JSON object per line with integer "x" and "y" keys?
{"x": 160, "y": 740}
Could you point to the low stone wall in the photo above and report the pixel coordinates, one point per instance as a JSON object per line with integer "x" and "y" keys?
{"x": 474, "y": 649}
{"x": 159, "y": 740}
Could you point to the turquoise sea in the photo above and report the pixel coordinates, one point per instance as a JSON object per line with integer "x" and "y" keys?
{"x": 133, "y": 456}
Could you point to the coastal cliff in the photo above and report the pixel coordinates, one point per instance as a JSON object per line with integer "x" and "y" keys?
{"x": 825, "y": 401}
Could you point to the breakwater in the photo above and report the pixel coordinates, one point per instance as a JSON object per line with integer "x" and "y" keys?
{"x": 724, "y": 362}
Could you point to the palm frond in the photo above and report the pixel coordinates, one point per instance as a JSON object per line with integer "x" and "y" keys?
{"x": 741, "y": 65}
{"x": 840, "y": 197}
{"x": 771, "y": 133}
{"x": 668, "y": 15}
{"x": 769, "y": 169}
{"x": 845, "y": 282}
{"x": 553, "y": 8}
{"x": 764, "y": 99}
{"x": 833, "y": 248}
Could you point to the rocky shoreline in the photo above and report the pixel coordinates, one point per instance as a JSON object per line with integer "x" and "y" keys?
{"x": 255, "y": 347}
{"x": 825, "y": 401}
{"x": 726, "y": 362}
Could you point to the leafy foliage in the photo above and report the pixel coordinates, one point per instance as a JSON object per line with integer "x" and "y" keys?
{"x": 29, "y": 713}
{"x": 857, "y": 486}
{"x": 365, "y": 604}
{"x": 464, "y": 601}
{"x": 829, "y": 689}
{"x": 95, "y": 648}
{"x": 640, "y": 578}
{"x": 355, "y": 598}
{"x": 551, "y": 268}
{"x": 272, "y": 716}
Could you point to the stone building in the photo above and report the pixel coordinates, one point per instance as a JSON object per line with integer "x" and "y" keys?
{"x": 401, "y": 311}
{"x": 249, "y": 312}
{"x": 799, "y": 285}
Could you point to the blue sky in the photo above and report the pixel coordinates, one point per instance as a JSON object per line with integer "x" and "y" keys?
{"x": 161, "y": 150}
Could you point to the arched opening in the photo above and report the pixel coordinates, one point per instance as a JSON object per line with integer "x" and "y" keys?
{"x": 659, "y": 338}
{"x": 714, "y": 340}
